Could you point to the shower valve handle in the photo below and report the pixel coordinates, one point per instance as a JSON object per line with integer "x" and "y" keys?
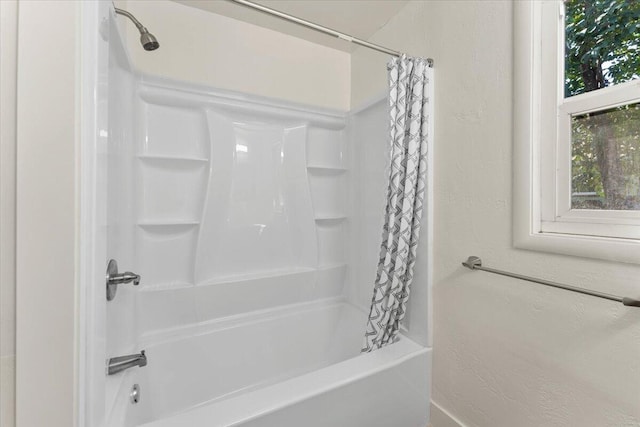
{"x": 114, "y": 279}
{"x": 125, "y": 277}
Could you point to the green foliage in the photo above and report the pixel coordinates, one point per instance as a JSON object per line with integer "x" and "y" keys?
{"x": 624, "y": 127}
{"x": 585, "y": 172}
{"x": 602, "y": 48}
{"x": 601, "y": 35}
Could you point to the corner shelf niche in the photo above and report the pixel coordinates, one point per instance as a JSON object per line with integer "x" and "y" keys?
{"x": 160, "y": 224}
{"x": 327, "y": 175}
{"x": 331, "y": 243}
{"x": 165, "y": 252}
{"x": 162, "y": 183}
{"x": 328, "y": 193}
{"x": 172, "y": 159}
{"x": 173, "y": 155}
{"x": 326, "y": 148}
{"x": 330, "y": 218}
{"x": 326, "y": 169}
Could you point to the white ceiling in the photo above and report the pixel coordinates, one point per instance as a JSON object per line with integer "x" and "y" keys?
{"x": 358, "y": 18}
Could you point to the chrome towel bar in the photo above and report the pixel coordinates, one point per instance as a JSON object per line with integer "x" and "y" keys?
{"x": 475, "y": 263}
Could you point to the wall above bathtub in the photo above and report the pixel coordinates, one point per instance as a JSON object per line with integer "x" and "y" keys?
{"x": 358, "y": 18}
{"x": 206, "y": 48}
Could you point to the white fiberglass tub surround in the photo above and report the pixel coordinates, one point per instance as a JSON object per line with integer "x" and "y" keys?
{"x": 251, "y": 223}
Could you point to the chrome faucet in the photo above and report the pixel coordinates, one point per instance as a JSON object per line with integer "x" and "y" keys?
{"x": 120, "y": 363}
{"x": 114, "y": 279}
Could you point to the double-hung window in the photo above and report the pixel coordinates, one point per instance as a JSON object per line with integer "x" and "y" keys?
{"x": 577, "y": 127}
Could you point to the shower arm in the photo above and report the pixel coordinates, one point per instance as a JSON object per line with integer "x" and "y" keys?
{"x": 137, "y": 23}
{"x": 148, "y": 40}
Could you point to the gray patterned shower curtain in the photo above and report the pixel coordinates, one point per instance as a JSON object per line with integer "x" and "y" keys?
{"x": 409, "y": 89}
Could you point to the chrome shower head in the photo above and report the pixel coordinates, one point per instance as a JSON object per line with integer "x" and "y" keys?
{"x": 148, "y": 40}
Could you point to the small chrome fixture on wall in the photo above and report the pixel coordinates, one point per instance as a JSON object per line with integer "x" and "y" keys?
{"x": 114, "y": 279}
{"x": 148, "y": 40}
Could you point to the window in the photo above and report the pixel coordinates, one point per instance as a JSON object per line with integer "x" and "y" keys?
{"x": 577, "y": 127}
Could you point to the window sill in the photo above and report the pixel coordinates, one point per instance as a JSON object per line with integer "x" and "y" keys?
{"x": 603, "y": 248}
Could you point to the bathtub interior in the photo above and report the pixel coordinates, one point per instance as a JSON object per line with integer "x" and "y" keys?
{"x": 254, "y": 224}
{"x": 215, "y": 361}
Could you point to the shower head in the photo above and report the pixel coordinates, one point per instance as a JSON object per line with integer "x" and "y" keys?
{"x": 148, "y": 40}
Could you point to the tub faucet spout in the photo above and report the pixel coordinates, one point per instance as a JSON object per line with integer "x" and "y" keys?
{"x": 120, "y": 363}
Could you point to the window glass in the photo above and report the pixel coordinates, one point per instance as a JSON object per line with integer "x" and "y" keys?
{"x": 602, "y": 40}
{"x": 605, "y": 161}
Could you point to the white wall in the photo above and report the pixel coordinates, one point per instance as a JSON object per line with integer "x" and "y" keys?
{"x": 202, "y": 47}
{"x": 8, "y": 52}
{"x": 46, "y": 213}
{"x": 506, "y": 353}
{"x": 404, "y": 32}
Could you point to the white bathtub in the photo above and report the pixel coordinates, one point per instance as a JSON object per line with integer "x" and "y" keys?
{"x": 293, "y": 366}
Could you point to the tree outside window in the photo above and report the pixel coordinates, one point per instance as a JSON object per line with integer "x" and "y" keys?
{"x": 602, "y": 48}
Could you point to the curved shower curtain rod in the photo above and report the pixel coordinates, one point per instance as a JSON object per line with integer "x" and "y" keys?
{"x": 320, "y": 28}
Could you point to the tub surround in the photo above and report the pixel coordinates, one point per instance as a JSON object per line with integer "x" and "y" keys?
{"x": 242, "y": 229}
{"x": 240, "y": 203}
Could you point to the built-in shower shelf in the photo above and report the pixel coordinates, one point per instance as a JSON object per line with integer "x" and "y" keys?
{"x": 155, "y": 287}
{"x": 153, "y": 224}
{"x": 332, "y": 266}
{"x": 330, "y": 217}
{"x": 326, "y": 169}
{"x": 243, "y": 277}
{"x": 171, "y": 159}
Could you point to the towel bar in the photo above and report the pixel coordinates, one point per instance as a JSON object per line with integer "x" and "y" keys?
{"x": 475, "y": 263}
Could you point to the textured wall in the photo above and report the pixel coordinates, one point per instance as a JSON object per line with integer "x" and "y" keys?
{"x": 46, "y": 214}
{"x": 203, "y": 47}
{"x": 8, "y": 51}
{"x": 506, "y": 353}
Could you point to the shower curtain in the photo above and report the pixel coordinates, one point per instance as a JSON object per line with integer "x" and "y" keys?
{"x": 409, "y": 85}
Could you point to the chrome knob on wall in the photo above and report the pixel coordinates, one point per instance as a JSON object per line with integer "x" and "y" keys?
{"x": 114, "y": 279}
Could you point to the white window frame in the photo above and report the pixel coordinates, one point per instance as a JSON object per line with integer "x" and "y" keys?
{"x": 543, "y": 218}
